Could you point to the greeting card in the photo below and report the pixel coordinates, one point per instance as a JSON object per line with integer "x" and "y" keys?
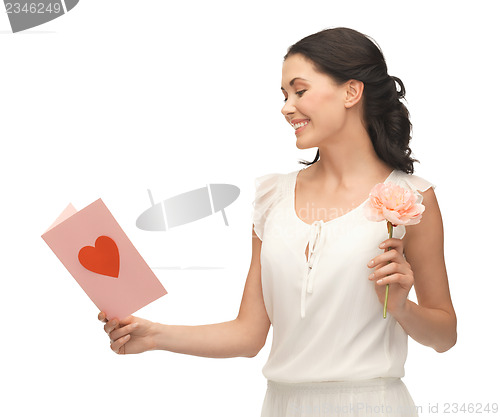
{"x": 98, "y": 254}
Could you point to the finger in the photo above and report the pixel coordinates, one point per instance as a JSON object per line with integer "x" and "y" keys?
{"x": 393, "y": 243}
{"x": 118, "y": 345}
{"x": 110, "y": 326}
{"x": 115, "y": 324}
{"x": 397, "y": 278}
{"x": 122, "y": 331}
{"x": 127, "y": 320}
{"x": 381, "y": 260}
{"x": 393, "y": 255}
{"x": 384, "y": 270}
{"x": 102, "y": 317}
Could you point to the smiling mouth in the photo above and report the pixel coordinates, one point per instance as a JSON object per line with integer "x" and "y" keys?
{"x": 297, "y": 126}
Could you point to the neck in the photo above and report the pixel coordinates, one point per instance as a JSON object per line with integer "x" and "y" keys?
{"x": 347, "y": 158}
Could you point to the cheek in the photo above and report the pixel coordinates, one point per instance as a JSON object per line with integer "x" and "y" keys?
{"x": 331, "y": 102}
{"x": 330, "y": 112}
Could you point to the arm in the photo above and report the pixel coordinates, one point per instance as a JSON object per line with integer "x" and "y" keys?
{"x": 431, "y": 322}
{"x": 243, "y": 336}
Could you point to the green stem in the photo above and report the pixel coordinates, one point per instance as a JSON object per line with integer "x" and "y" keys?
{"x": 389, "y": 226}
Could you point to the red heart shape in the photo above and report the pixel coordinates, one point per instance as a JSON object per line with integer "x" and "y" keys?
{"x": 103, "y": 259}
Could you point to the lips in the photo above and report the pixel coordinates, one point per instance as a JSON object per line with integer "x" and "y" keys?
{"x": 300, "y": 129}
{"x": 296, "y": 122}
{"x": 299, "y": 124}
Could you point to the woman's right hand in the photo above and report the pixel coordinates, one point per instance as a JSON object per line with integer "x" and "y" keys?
{"x": 130, "y": 335}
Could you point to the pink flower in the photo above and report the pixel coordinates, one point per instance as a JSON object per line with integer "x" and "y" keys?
{"x": 397, "y": 205}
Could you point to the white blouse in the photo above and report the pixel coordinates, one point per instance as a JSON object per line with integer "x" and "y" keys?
{"x": 326, "y": 316}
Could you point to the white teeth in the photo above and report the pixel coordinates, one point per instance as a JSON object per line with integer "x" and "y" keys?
{"x": 296, "y": 126}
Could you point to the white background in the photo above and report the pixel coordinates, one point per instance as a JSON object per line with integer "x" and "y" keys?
{"x": 119, "y": 96}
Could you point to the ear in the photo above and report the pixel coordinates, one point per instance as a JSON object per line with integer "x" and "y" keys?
{"x": 354, "y": 92}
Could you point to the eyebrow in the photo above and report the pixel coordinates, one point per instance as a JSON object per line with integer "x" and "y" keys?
{"x": 293, "y": 81}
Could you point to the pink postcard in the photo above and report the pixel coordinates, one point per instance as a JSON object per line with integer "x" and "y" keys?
{"x": 96, "y": 251}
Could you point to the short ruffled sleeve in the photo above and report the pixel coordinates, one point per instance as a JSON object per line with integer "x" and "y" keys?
{"x": 415, "y": 184}
{"x": 267, "y": 193}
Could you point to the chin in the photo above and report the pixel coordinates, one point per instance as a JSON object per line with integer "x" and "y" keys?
{"x": 302, "y": 144}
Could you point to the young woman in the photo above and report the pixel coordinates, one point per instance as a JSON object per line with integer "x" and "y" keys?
{"x": 318, "y": 274}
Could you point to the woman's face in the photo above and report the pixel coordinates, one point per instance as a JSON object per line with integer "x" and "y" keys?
{"x": 312, "y": 99}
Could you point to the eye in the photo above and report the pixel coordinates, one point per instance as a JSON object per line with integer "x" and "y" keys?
{"x": 299, "y": 93}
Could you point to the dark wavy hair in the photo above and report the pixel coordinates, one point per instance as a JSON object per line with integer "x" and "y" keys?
{"x": 346, "y": 54}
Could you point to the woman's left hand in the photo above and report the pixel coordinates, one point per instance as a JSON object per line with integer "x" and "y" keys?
{"x": 398, "y": 274}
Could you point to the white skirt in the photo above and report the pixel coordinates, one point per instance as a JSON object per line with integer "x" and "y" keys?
{"x": 387, "y": 397}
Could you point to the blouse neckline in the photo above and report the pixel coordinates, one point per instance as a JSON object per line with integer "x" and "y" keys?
{"x": 331, "y": 221}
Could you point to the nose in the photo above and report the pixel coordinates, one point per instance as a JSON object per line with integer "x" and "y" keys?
{"x": 288, "y": 109}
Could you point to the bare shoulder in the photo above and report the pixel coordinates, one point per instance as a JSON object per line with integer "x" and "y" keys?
{"x": 431, "y": 224}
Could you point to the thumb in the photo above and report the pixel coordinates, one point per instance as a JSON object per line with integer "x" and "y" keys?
{"x": 127, "y": 320}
